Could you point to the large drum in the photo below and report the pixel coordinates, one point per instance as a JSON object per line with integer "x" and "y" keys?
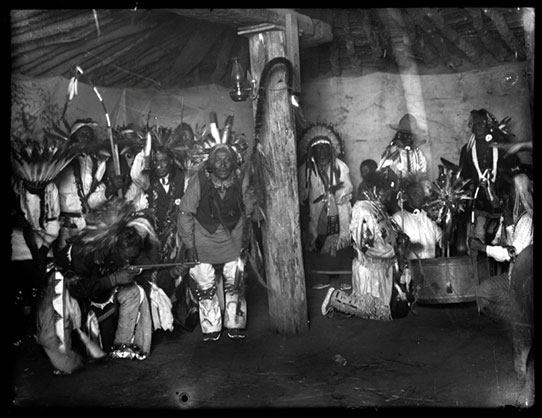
{"x": 445, "y": 279}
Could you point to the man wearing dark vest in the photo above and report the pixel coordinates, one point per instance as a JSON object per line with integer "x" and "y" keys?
{"x": 211, "y": 222}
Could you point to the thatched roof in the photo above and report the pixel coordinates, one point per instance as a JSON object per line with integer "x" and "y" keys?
{"x": 174, "y": 48}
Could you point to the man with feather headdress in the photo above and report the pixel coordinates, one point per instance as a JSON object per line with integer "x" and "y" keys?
{"x": 74, "y": 183}
{"x": 326, "y": 189}
{"x": 34, "y": 219}
{"x": 107, "y": 182}
{"x": 212, "y": 222}
{"x": 485, "y": 166}
{"x": 158, "y": 169}
{"x": 94, "y": 290}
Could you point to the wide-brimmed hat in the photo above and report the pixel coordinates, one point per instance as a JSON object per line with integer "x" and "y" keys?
{"x": 409, "y": 125}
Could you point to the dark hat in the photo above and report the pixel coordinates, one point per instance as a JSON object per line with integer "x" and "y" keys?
{"x": 407, "y": 124}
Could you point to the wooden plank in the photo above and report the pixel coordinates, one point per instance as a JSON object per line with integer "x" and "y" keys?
{"x": 505, "y": 32}
{"x": 494, "y": 48}
{"x": 400, "y": 45}
{"x": 461, "y": 43}
{"x": 292, "y": 49}
{"x": 281, "y": 231}
{"x": 336, "y": 70}
{"x": 349, "y": 40}
{"x": 312, "y": 31}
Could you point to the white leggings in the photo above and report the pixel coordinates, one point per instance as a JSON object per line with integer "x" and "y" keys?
{"x": 210, "y": 313}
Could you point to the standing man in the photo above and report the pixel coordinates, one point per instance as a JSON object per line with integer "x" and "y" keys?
{"x": 164, "y": 184}
{"x": 211, "y": 223}
{"x": 325, "y": 191}
{"x": 403, "y": 155}
{"x": 484, "y": 164}
{"x": 74, "y": 184}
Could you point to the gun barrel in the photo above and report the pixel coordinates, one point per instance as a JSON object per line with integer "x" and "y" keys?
{"x": 163, "y": 265}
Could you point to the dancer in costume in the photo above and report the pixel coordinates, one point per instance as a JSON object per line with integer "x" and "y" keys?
{"x": 94, "y": 290}
{"x": 486, "y": 166}
{"x": 35, "y": 225}
{"x": 74, "y": 183}
{"x": 212, "y": 221}
{"x": 380, "y": 281}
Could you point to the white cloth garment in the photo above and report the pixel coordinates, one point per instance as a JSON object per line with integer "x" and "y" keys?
{"x": 421, "y": 230}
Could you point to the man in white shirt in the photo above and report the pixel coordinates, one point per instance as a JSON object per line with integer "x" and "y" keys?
{"x": 423, "y": 232}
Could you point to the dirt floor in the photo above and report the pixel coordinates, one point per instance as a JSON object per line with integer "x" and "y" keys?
{"x": 442, "y": 356}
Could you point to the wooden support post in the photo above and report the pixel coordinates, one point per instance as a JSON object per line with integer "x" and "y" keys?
{"x": 281, "y": 233}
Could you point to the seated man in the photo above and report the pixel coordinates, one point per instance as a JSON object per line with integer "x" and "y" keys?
{"x": 509, "y": 296}
{"x": 367, "y": 169}
{"x": 94, "y": 291}
{"x": 423, "y": 232}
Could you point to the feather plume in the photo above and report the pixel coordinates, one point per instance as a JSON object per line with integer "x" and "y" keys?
{"x": 173, "y": 140}
{"x": 39, "y": 162}
{"x": 103, "y": 226}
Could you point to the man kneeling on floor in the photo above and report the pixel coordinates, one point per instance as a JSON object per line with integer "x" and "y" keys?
{"x": 94, "y": 299}
{"x": 380, "y": 276}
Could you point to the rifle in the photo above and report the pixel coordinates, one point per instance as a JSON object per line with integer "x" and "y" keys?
{"x": 141, "y": 267}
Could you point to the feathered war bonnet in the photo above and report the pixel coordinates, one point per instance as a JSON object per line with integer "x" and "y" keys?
{"x": 105, "y": 224}
{"x": 211, "y": 140}
{"x": 319, "y": 133}
{"x": 38, "y": 162}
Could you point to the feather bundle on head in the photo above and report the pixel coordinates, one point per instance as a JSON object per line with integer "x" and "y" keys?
{"x": 208, "y": 139}
{"x": 39, "y": 162}
{"x": 173, "y": 140}
{"x": 104, "y": 225}
{"x": 497, "y": 132}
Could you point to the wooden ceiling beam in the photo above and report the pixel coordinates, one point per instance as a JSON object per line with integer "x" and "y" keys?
{"x": 452, "y": 62}
{"x": 349, "y": 40}
{"x": 462, "y": 44}
{"x": 494, "y": 48}
{"x": 312, "y": 32}
{"x": 398, "y": 37}
{"x": 505, "y": 32}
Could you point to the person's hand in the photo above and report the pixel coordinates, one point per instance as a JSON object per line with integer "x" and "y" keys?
{"x": 191, "y": 255}
{"x": 125, "y": 276}
{"x": 476, "y": 244}
{"x": 178, "y": 271}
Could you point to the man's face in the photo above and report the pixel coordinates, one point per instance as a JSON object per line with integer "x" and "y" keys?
{"x": 128, "y": 255}
{"x": 415, "y": 196}
{"x": 479, "y": 127}
{"x": 365, "y": 170}
{"x": 322, "y": 154}
{"x": 161, "y": 163}
{"x": 222, "y": 164}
